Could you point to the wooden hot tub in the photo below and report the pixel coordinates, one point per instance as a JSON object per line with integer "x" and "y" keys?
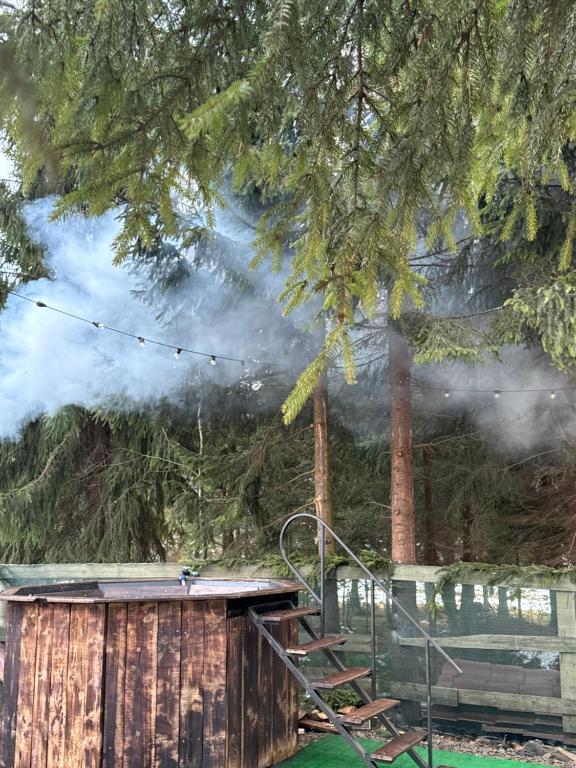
{"x": 146, "y": 674}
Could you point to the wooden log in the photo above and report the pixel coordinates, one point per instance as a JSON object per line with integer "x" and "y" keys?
{"x": 41, "y": 716}
{"x": 279, "y": 696}
{"x": 168, "y": 684}
{"x": 235, "y": 692}
{"x": 114, "y": 687}
{"x": 58, "y": 685}
{"x": 92, "y": 740}
{"x": 24, "y": 718}
{"x": 12, "y": 668}
{"x": 76, "y": 687}
{"x": 251, "y": 732}
{"x": 265, "y": 698}
{"x": 191, "y": 684}
{"x": 214, "y": 720}
{"x": 293, "y": 698}
{"x": 140, "y": 686}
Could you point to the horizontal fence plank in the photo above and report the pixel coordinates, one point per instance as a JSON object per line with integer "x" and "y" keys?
{"x": 424, "y": 573}
{"x": 519, "y": 702}
{"x": 11, "y": 574}
{"x": 418, "y": 691}
{"x": 500, "y": 642}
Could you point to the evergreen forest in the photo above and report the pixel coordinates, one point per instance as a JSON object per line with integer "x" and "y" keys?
{"x": 368, "y": 206}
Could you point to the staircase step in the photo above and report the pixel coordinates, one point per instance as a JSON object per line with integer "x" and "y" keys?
{"x": 397, "y": 746}
{"x": 317, "y": 725}
{"x": 275, "y": 617}
{"x": 326, "y": 726}
{"x": 317, "y": 645}
{"x": 340, "y": 678}
{"x": 368, "y": 711}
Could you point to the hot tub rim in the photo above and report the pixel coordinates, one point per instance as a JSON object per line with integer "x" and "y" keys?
{"x": 18, "y": 594}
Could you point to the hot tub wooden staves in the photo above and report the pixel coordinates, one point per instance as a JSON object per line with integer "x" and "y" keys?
{"x": 173, "y": 681}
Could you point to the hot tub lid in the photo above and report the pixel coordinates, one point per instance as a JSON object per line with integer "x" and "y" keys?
{"x": 139, "y": 590}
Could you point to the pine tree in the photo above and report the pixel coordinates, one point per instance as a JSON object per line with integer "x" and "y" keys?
{"x": 365, "y": 126}
{"x": 352, "y": 119}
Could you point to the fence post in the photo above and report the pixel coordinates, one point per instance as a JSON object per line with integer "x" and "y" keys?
{"x": 566, "y": 602}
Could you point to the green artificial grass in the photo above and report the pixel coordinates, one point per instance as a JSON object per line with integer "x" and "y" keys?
{"x": 334, "y": 752}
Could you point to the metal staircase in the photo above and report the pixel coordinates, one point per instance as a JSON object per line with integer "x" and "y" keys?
{"x": 374, "y": 707}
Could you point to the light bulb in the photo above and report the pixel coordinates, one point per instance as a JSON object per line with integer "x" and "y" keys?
{"x": 497, "y": 394}
{"x": 141, "y": 341}
{"x": 177, "y": 354}
{"x": 446, "y": 394}
{"x": 212, "y": 360}
{"x": 552, "y": 395}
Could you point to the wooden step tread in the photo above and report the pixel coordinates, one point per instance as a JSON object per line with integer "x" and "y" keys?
{"x": 340, "y": 678}
{"x": 317, "y": 725}
{"x": 369, "y": 710}
{"x": 325, "y": 726}
{"x": 316, "y": 645}
{"x": 397, "y": 746}
{"x": 275, "y": 617}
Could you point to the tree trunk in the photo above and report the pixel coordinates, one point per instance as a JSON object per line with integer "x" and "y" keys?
{"x": 402, "y": 474}
{"x": 449, "y": 602}
{"x": 323, "y": 496}
{"x": 503, "y": 612}
{"x": 322, "y": 465}
{"x": 430, "y": 552}
{"x": 227, "y": 538}
{"x": 468, "y": 553}
{"x": 199, "y": 490}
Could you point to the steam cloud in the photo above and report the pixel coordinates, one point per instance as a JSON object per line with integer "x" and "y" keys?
{"x": 518, "y": 421}
{"x": 48, "y": 360}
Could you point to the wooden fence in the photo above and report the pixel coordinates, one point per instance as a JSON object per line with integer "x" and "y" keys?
{"x": 560, "y": 708}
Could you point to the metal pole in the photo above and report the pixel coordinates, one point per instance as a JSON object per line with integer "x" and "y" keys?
{"x": 373, "y": 637}
{"x": 322, "y": 581}
{"x": 429, "y": 703}
{"x": 362, "y": 566}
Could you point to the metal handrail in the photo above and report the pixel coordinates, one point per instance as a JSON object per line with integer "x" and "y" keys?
{"x": 374, "y": 579}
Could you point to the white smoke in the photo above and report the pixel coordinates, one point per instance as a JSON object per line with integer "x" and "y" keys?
{"x": 48, "y": 360}
{"x": 537, "y": 416}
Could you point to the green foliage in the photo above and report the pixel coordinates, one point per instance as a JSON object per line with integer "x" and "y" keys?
{"x": 548, "y": 312}
{"x": 494, "y": 575}
{"x": 83, "y": 486}
{"x": 436, "y": 339}
{"x": 351, "y": 121}
{"x": 19, "y": 255}
{"x": 365, "y": 130}
{"x": 342, "y": 697}
{"x": 498, "y": 575}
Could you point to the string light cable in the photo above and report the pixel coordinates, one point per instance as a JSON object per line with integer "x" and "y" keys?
{"x": 178, "y": 349}
{"x": 496, "y": 393}
{"x": 212, "y": 358}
